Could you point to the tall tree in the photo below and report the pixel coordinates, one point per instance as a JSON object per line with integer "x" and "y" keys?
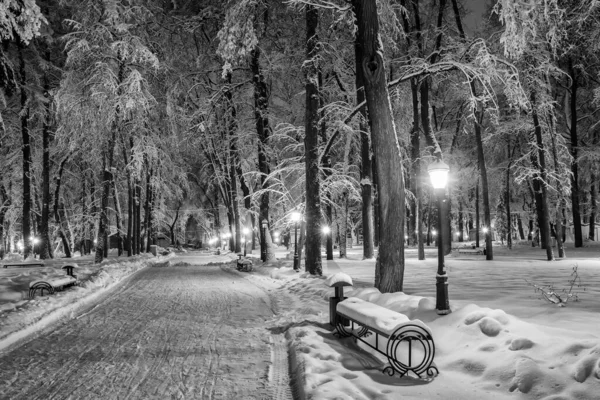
{"x": 389, "y": 268}
{"x": 311, "y": 146}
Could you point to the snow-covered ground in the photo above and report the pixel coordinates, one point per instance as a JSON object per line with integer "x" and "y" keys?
{"x": 184, "y": 328}
{"x": 500, "y": 342}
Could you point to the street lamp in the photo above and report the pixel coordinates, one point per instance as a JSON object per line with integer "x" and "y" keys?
{"x": 438, "y": 172}
{"x": 245, "y": 232}
{"x": 326, "y": 230}
{"x": 295, "y": 217}
{"x": 34, "y": 240}
{"x": 263, "y": 245}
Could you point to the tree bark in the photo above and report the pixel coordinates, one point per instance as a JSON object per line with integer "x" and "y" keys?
{"x": 263, "y": 129}
{"x": 366, "y": 170}
{"x": 118, "y": 217}
{"x": 57, "y": 218}
{"x": 477, "y": 222}
{"x": 389, "y": 269}
{"x": 542, "y": 179}
{"x": 507, "y": 198}
{"x": 489, "y": 255}
{"x": 574, "y": 165}
{"x": 102, "y": 242}
{"x": 149, "y": 202}
{"x": 26, "y": 220}
{"x": 593, "y": 208}
{"x": 45, "y": 246}
{"x": 559, "y": 205}
{"x": 311, "y": 147}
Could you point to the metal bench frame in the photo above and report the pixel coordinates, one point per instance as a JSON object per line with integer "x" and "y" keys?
{"x": 44, "y": 285}
{"x": 407, "y": 332}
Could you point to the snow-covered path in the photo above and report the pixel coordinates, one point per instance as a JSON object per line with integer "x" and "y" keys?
{"x": 176, "y": 331}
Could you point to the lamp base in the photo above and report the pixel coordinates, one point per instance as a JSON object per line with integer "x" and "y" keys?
{"x": 443, "y": 312}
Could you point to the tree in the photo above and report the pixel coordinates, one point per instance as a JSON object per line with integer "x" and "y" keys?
{"x": 389, "y": 269}
{"x": 311, "y": 146}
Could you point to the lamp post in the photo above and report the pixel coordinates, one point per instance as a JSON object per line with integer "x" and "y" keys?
{"x": 326, "y": 231}
{"x": 485, "y": 234}
{"x": 34, "y": 241}
{"x": 295, "y": 217}
{"x": 263, "y": 237}
{"x": 245, "y": 232}
{"x": 438, "y": 172}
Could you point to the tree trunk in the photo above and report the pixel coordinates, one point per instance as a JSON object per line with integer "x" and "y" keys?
{"x": 234, "y": 207}
{"x": 263, "y": 129}
{"x": 593, "y": 208}
{"x": 130, "y": 217}
{"x": 507, "y": 198}
{"x": 118, "y": 217}
{"x": 477, "y": 222}
{"x": 542, "y": 179}
{"x": 561, "y": 201}
{"x": 57, "y": 219}
{"x": 520, "y": 227}
{"x": 45, "y": 247}
{"x": 574, "y": 165}
{"x": 343, "y": 226}
{"x": 366, "y": 170}
{"x": 311, "y": 147}
{"x": 26, "y": 220}
{"x": 172, "y": 226}
{"x": 416, "y": 223}
{"x": 102, "y": 242}
{"x": 389, "y": 268}
{"x": 301, "y": 241}
{"x": 484, "y": 186}
{"x": 461, "y": 225}
{"x": 137, "y": 227}
{"x": 130, "y": 214}
{"x": 149, "y": 202}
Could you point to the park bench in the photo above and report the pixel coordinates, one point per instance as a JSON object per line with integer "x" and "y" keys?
{"x": 51, "y": 285}
{"x": 407, "y": 345}
{"x": 23, "y": 264}
{"x": 244, "y": 265}
{"x": 478, "y": 251}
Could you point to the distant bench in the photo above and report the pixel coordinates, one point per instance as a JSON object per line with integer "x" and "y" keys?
{"x": 359, "y": 318}
{"x": 471, "y": 251}
{"x": 23, "y": 264}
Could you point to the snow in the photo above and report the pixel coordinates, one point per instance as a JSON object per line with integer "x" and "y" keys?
{"x": 56, "y": 282}
{"x": 21, "y": 316}
{"x": 501, "y": 340}
{"x": 377, "y": 317}
{"x": 340, "y": 278}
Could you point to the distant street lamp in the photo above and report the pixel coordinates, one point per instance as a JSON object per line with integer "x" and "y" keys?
{"x": 295, "y": 217}
{"x": 276, "y": 238}
{"x": 485, "y": 234}
{"x": 34, "y": 240}
{"x": 263, "y": 245}
{"x": 328, "y": 249}
{"x": 438, "y": 172}
{"x": 245, "y": 232}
